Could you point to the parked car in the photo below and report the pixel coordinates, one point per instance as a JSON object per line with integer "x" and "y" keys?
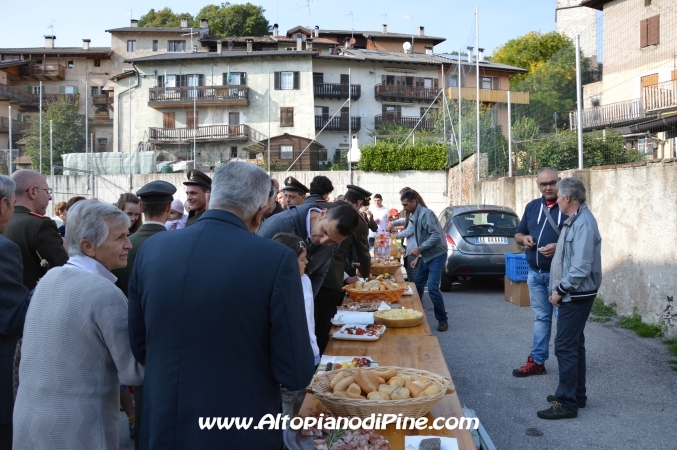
{"x": 478, "y": 236}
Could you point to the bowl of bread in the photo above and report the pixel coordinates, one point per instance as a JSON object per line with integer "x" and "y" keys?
{"x": 381, "y": 266}
{"x": 363, "y": 391}
{"x": 378, "y": 289}
{"x": 398, "y": 318}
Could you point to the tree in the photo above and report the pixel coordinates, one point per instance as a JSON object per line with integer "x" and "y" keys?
{"x": 68, "y": 128}
{"x": 165, "y": 18}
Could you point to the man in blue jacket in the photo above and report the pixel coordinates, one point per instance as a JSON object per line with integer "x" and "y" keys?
{"x": 430, "y": 254}
{"x": 538, "y": 232}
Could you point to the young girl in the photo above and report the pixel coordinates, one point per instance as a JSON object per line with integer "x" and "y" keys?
{"x": 129, "y": 203}
{"x": 291, "y": 400}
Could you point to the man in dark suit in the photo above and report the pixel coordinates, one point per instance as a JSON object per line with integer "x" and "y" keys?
{"x": 197, "y": 188}
{"x": 322, "y": 229}
{"x": 221, "y": 325}
{"x": 14, "y": 299}
{"x": 36, "y": 235}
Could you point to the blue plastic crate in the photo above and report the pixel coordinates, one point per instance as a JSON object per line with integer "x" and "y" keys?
{"x": 516, "y": 267}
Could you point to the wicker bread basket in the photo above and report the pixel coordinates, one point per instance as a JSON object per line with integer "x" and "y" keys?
{"x": 368, "y": 296}
{"x": 382, "y": 270}
{"x": 348, "y": 407}
{"x": 397, "y": 323}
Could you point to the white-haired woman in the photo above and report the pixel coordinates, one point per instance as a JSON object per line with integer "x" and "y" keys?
{"x": 76, "y": 348}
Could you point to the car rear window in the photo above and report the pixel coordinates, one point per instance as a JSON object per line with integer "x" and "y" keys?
{"x": 486, "y": 223}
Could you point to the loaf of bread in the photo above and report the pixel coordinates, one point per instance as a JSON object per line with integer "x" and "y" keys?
{"x": 378, "y": 396}
{"x": 356, "y": 396}
{"x": 354, "y": 389}
{"x": 340, "y": 394}
{"x": 386, "y": 374}
{"x": 343, "y": 384}
{"x": 431, "y": 390}
{"x": 386, "y": 388}
{"x": 396, "y": 381}
{"x": 338, "y": 377}
{"x": 414, "y": 389}
{"x": 367, "y": 379}
{"x": 401, "y": 393}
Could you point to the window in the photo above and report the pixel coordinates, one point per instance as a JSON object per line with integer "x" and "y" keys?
{"x": 286, "y": 117}
{"x": 344, "y": 78}
{"x": 649, "y": 31}
{"x": 233, "y": 118}
{"x": 192, "y": 121}
{"x": 233, "y": 152}
{"x": 428, "y": 50}
{"x": 180, "y": 80}
{"x": 236, "y": 79}
{"x": 131, "y": 46}
{"x": 102, "y": 144}
{"x": 322, "y": 111}
{"x": 286, "y": 151}
{"x": 453, "y": 80}
{"x": 176, "y": 46}
{"x": 318, "y": 78}
{"x": 169, "y": 120}
{"x": 647, "y": 2}
{"x": 95, "y": 90}
{"x": 391, "y": 113}
{"x": 68, "y": 89}
{"x": 97, "y": 63}
{"x": 34, "y": 89}
{"x": 287, "y": 80}
{"x": 155, "y": 45}
{"x": 489, "y": 82}
{"x": 70, "y": 64}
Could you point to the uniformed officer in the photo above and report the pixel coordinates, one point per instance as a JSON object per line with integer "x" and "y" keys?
{"x": 294, "y": 192}
{"x": 34, "y": 233}
{"x": 197, "y": 187}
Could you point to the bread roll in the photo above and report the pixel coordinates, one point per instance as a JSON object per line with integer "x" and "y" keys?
{"x": 431, "y": 390}
{"x": 386, "y": 374}
{"x": 355, "y": 396}
{"x": 414, "y": 389}
{"x": 343, "y": 384}
{"x": 338, "y": 377}
{"x": 381, "y": 380}
{"x": 405, "y": 378}
{"x": 419, "y": 384}
{"x": 354, "y": 389}
{"x": 367, "y": 379}
{"x": 400, "y": 393}
{"x": 386, "y": 388}
{"x": 396, "y": 381}
{"x": 378, "y": 396}
{"x": 340, "y": 394}
{"x": 425, "y": 380}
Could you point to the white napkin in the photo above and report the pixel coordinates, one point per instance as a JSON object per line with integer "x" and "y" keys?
{"x": 355, "y": 317}
{"x": 383, "y": 306}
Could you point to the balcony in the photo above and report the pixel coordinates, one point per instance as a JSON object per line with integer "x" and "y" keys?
{"x": 14, "y": 95}
{"x": 33, "y": 103}
{"x": 489, "y": 95}
{"x": 207, "y": 133}
{"x": 172, "y": 97}
{"x": 337, "y": 91}
{"x": 42, "y": 72}
{"x": 612, "y": 115}
{"x": 17, "y": 127}
{"x": 395, "y": 93}
{"x": 661, "y": 96}
{"x": 338, "y": 123}
{"x": 101, "y": 100}
{"x": 410, "y": 122}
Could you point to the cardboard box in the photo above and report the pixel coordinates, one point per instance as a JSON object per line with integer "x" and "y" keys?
{"x": 517, "y": 292}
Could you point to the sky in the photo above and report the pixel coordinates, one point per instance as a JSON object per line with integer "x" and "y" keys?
{"x": 499, "y": 20}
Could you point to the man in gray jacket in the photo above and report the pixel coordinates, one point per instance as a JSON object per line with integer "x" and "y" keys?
{"x": 575, "y": 277}
{"x": 430, "y": 254}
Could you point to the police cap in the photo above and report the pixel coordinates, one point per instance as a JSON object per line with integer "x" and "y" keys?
{"x": 156, "y": 191}
{"x": 365, "y": 194}
{"x": 197, "y": 178}
{"x": 292, "y": 184}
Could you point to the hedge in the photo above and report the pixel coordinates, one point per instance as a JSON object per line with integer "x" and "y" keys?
{"x": 387, "y": 156}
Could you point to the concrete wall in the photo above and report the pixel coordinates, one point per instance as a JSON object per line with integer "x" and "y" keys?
{"x": 573, "y": 21}
{"x": 636, "y": 210}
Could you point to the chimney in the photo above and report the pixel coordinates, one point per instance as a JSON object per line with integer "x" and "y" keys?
{"x": 384, "y": 28}
{"x": 470, "y": 49}
{"x": 354, "y": 153}
{"x": 204, "y": 23}
{"x": 250, "y": 45}
{"x": 49, "y": 41}
{"x": 299, "y": 42}
{"x": 85, "y": 44}
{"x": 274, "y": 29}
{"x": 421, "y": 31}
{"x": 480, "y": 54}
{"x": 134, "y": 23}
{"x": 309, "y": 43}
{"x": 184, "y": 23}
{"x": 317, "y": 31}
{"x": 219, "y": 47}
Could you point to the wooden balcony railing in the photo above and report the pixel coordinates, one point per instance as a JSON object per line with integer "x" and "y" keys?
{"x": 338, "y": 123}
{"x": 169, "y": 97}
{"x": 101, "y": 99}
{"x": 426, "y": 124}
{"x": 17, "y": 127}
{"x": 614, "y": 114}
{"x": 337, "y": 91}
{"x": 660, "y": 96}
{"x": 26, "y": 100}
{"x": 488, "y": 95}
{"x": 204, "y": 133}
{"x": 14, "y": 95}
{"x": 404, "y": 93}
{"x": 43, "y": 71}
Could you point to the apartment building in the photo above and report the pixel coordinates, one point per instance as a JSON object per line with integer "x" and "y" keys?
{"x": 638, "y": 92}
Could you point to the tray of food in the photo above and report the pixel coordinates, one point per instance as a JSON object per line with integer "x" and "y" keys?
{"x": 331, "y": 362}
{"x": 351, "y": 332}
{"x": 325, "y": 439}
{"x": 398, "y": 318}
{"x": 363, "y": 306}
{"x": 354, "y": 317}
{"x": 377, "y": 289}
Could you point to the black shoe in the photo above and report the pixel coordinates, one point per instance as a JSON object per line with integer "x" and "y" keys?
{"x": 552, "y": 398}
{"x": 556, "y": 412}
{"x": 443, "y": 325}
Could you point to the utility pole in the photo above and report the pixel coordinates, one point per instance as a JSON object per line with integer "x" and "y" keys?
{"x": 579, "y": 100}
{"x": 477, "y": 81}
{"x": 9, "y": 158}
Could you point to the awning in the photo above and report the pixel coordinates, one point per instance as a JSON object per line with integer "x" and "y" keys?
{"x": 655, "y": 126}
{"x": 108, "y": 87}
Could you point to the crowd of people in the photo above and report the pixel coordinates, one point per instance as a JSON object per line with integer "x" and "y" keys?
{"x": 223, "y": 311}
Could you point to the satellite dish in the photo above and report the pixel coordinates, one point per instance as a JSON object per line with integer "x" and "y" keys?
{"x": 363, "y": 113}
{"x": 406, "y": 46}
{"x": 352, "y": 41}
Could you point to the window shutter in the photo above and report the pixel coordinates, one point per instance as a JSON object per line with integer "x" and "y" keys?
{"x": 75, "y": 89}
{"x": 169, "y": 120}
{"x": 383, "y": 79}
{"x": 243, "y": 78}
{"x": 62, "y": 89}
{"x": 418, "y": 82}
{"x": 344, "y": 78}
{"x": 201, "y": 80}
{"x": 435, "y": 83}
{"x": 161, "y": 81}
{"x": 277, "y": 81}
{"x": 325, "y": 113}
{"x": 192, "y": 121}
{"x": 297, "y": 80}
{"x": 653, "y": 30}
{"x": 30, "y": 89}
{"x": 643, "y": 30}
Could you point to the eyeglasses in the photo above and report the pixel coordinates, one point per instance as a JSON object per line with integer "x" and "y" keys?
{"x": 549, "y": 183}
{"x": 48, "y": 190}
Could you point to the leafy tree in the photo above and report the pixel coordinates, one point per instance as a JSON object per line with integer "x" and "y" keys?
{"x": 165, "y": 18}
{"x": 68, "y": 128}
{"x": 525, "y": 129}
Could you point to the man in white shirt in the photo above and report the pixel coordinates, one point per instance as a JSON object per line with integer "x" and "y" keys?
{"x": 380, "y": 213}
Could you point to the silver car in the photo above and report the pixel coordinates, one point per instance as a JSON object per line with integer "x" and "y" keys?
{"x": 478, "y": 237}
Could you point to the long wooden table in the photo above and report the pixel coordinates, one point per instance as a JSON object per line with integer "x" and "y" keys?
{"x": 413, "y": 347}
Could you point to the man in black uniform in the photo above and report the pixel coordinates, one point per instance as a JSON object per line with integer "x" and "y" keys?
{"x": 34, "y": 233}
{"x": 294, "y": 192}
{"x": 197, "y": 187}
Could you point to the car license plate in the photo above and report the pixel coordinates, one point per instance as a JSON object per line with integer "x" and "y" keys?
{"x": 491, "y": 240}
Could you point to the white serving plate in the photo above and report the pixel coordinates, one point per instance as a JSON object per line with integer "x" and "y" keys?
{"x": 356, "y": 337}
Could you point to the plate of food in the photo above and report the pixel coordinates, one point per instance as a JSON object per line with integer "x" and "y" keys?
{"x": 330, "y": 362}
{"x": 316, "y": 439}
{"x": 398, "y": 318}
{"x": 351, "y": 332}
{"x": 362, "y": 306}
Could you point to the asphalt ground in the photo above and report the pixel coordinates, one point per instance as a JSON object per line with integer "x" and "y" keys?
{"x": 632, "y": 390}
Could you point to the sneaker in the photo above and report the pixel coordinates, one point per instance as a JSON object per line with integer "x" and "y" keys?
{"x": 443, "y": 326}
{"x": 530, "y": 368}
{"x": 556, "y": 412}
{"x": 552, "y": 398}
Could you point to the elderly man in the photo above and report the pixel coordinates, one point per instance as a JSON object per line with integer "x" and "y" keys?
{"x": 14, "y": 300}
{"x": 221, "y": 334}
{"x": 35, "y": 234}
{"x": 538, "y": 232}
{"x": 294, "y": 192}
{"x": 198, "y": 187}
{"x": 75, "y": 350}
{"x": 575, "y": 277}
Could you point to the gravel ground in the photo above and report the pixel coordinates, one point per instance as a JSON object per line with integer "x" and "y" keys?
{"x": 631, "y": 388}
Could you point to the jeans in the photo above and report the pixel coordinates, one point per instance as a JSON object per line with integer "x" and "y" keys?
{"x": 539, "y": 291}
{"x": 431, "y": 273}
{"x": 371, "y": 242}
{"x": 411, "y": 273}
{"x": 570, "y": 352}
